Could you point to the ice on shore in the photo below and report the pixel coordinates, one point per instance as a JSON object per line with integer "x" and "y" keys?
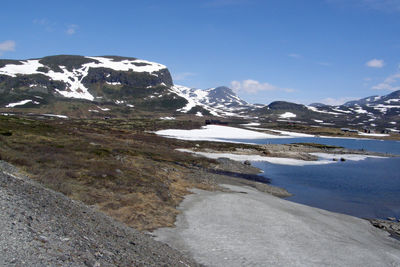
{"x": 324, "y": 158}
{"x": 352, "y": 157}
{"x": 274, "y": 160}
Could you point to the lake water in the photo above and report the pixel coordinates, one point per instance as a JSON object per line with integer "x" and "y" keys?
{"x": 368, "y": 189}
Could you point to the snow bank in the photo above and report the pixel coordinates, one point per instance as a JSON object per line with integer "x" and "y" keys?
{"x": 237, "y": 157}
{"x": 251, "y": 124}
{"x": 215, "y": 133}
{"x": 373, "y": 134}
{"x": 136, "y": 65}
{"x": 167, "y": 118}
{"x": 56, "y": 116}
{"x": 287, "y": 115}
{"x": 21, "y": 103}
{"x": 351, "y": 157}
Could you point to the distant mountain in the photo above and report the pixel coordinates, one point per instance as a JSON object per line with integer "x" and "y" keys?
{"x": 122, "y": 80}
{"x": 114, "y": 85}
{"x": 362, "y": 101}
{"x": 317, "y": 105}
{"x": 219, "y": 101}
{"x": 382, "y": 112}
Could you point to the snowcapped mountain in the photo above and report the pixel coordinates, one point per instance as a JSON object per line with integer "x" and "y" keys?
{"x": 219, "y": 101}
{"x": 70, "y": 76}
{"x": 112, "y": 84}
{"x": 124, "y": 81}
{"x": 375, "y": 111}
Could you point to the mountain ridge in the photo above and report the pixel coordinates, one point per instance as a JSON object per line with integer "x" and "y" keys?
{"x": 134, "y": 84}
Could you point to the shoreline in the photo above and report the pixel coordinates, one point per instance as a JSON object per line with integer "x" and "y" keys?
{"x": 390, "y": 226}
{"x": 238, "y": 227}
{"x": 298, "y": 154}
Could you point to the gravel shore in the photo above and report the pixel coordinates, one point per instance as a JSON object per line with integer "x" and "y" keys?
{"x": 245, "y": 227}
{"x": 39, "y": 227}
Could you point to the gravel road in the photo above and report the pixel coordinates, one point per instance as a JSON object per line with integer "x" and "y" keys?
{"x": 39, "y": 227}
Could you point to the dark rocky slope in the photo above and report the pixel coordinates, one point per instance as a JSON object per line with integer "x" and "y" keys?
{"x": 39, "y": 227}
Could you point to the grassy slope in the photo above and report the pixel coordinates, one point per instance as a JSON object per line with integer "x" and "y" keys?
{"x": 131, "y": 174}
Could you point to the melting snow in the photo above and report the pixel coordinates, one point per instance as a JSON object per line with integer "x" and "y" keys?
{"x": 216, "y": 133}
{"x": 21, "y": 103}
{"x": 167, "y": 118}
{"x": 54, "y": 115}
{"x": 126, "y": 65}
{"x": 373, "y": 134}
{"x": 114, "y": 83}
{"x": 351, "y": 157}
{"x": 238, "y": 157}
{"x": 322, "y": 111}
{"x": 103, "y": 109}
{"x": 287, "y": 115}
{"x": 252, "y": 124}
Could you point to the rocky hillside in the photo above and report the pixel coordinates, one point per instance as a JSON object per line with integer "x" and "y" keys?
{"x": 39, "y": 227}
{"x": 120, "y": 80}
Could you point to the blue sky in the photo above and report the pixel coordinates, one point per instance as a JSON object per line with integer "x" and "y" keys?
{"x": 296, "y": 50}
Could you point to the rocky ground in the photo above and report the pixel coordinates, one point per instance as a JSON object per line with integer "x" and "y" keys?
{"x": 244, "y": 227}
{"x": 299, "y": 151}
{"x": 39, "y": 227}
{"x": 392, "y": 226}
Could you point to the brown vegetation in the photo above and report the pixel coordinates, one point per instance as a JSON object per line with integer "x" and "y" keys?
{"x": 116, "y": 165}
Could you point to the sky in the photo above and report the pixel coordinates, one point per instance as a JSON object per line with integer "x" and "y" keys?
{"x": 302, "y": 51}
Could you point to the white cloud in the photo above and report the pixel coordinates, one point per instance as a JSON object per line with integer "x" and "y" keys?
{"x": 337, "y": 101}
{"x": 7, "y": 46}
{"x": 71, "y": 29}
{"x": 391, "y": 83}
{"x": 45, "y": 23}
{"x": 253, "y": 86}
{"x": 325, "y": 64}
{"x": 182, "y": 76}
{"x": 383, "y": 5}
{"x": 224, "y": 3}
{"x": 375, "y": 63}
{"x": 379, "y": 5}
{"x": 293, "y": 55}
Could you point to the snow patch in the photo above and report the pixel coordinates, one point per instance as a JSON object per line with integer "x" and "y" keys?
{"x": 351, "y": 157}
{"x": 373, "y": 134}
{"x": 251, "y": 124}
{"x": 237, "y": 157}
{"x": 55, "y": 115}
{"x": 216, "y": 133}
{"x": 21, "y": 103}
{"x": 287, "y": 115}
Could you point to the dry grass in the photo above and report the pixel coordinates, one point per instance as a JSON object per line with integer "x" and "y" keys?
{"x": 130, "y": 174}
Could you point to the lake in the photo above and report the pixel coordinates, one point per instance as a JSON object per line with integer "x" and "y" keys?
{"x": 368, "y": 189}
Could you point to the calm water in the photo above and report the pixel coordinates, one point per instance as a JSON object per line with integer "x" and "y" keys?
{"x": 367, "y": 189}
